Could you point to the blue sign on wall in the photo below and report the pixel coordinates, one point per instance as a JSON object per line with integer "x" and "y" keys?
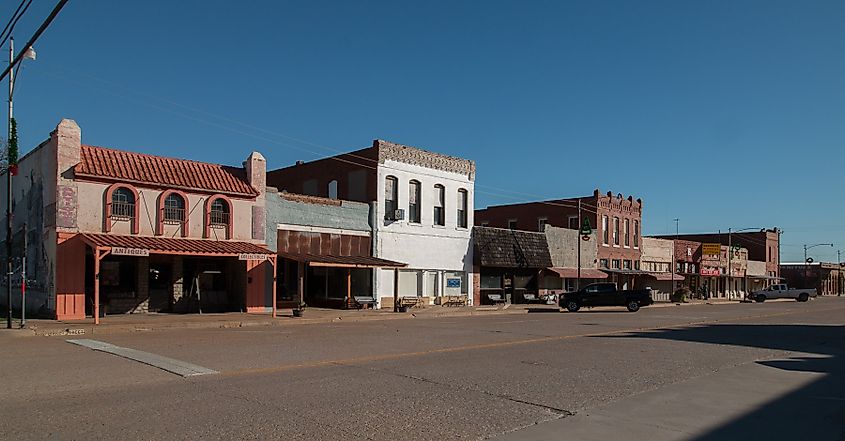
{"x": 453, "y": 283}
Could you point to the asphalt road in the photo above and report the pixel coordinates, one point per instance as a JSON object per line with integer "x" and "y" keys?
{"x": 740, "y": 371}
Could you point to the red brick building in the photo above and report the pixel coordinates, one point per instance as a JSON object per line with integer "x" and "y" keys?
{"x": 617, "y": 220}
{"x": 762, "y": 245}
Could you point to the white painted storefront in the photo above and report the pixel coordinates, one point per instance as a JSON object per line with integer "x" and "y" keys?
{"x": 439, "y": 257}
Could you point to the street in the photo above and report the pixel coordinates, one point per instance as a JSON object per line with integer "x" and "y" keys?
{"x": 736, "y": 371}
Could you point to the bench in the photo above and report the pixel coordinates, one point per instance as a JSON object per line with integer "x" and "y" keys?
{"x": 410, "y": 301}
{"x": 495, "y": 298}
{"x": 452, "y": 300}
{"x": 364, "y": 301}
{"x": 529, "y": 297}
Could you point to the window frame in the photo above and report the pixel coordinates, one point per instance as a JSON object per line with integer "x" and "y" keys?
{"x": 439, "y": 204}
{"x": 463, "y": 208}
{"x": 414, "y": 209}
{"x": 391, "y": 205}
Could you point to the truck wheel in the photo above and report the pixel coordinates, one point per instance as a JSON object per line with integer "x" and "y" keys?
{"x": 760, "y": 298}
{"x": 803, "y": 297}
{"x": 572, "y": 306}
{"x": 633, "y": 306}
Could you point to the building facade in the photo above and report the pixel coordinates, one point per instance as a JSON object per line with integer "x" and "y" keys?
{"x": 762, "y": 245}
{"x": 110, "y": 231}
{"x": 617, "y": 220}
{"x": 827, "y": 278}
{"x": 423, "y": 213}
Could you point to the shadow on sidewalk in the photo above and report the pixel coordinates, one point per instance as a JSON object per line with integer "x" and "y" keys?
{"x": 815, "y": 411}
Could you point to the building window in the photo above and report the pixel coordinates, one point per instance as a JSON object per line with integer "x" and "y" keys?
{"x": 637, "y": 265}
{"x": 439, "y": 205}
{"x": 414, "y": 202}
{"x": 541, "y": 224}
{"x": 391, "y": 191}
{"x": 573, "y": 223}
{"x": 219, "y": 213}
{"x": 603, "y": 263}
{"x": 512, "y": 224}
{"x": 174, "y": 208}
{"x": 616, "y": 231}
{"x": 333, "y": 189}
{"x": 462, "y": 208}
{"x": 627, "y": 233}
{"x": 604, "y": 229}
{"x": 626, "y": 264}
{"x": 636, "y": 234}
{"x": 123, "y": 204}
{"x": 616, "y": 263}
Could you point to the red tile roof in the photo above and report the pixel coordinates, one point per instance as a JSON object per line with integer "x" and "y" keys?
{"x": 139, "y": 168}
{"x": 159, "y": 245}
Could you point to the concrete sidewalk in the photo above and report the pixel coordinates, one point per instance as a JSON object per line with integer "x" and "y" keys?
{"x": 121, "y": 323}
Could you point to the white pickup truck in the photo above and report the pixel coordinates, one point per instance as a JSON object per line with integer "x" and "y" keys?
{"x": 782, "y": 292}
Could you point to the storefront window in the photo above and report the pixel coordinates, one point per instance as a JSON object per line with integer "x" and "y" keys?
{"x": 491, "y": 282}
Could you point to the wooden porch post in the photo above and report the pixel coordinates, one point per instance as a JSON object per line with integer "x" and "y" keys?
{"x": 274, "y": 261}
{"x": 348, "y": 286}
{"x": 396, "y": 290}
{"x": 300, "y": 286}
{"x": 97, "y": 258}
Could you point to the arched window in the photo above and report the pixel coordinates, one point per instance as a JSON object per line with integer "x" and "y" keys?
{"x": 333, "y": 189}
{"x": 414, "y": 202}
{"x": 219, "y": 213}
{"x": 391, "y": 193}
{"x": 439, "y": 204}
{"x": 174, "y": 208}
{"x": 122, "y": 204}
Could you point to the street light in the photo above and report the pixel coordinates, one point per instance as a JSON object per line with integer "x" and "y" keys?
{"x": 10, "y": 169}
{"x": 808, "y": 247}
{"x": 673, "y": 266}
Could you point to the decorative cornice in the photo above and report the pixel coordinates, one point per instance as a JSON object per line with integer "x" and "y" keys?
{"x": 423, "y": 158}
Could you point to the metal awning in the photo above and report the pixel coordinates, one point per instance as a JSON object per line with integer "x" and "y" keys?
{"x": 144, "y": 245}
{"x": 667, "y": 276}
{"x": 342, "y": 261}
{"x": 572, "y": 273}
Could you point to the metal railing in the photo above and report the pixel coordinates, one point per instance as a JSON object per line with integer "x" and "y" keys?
{"x": 174, "y": 215}
{"x": 218, "y": 218}
{"x": 122, "y": 210}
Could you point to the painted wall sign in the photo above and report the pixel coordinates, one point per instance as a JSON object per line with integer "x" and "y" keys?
{"x": 252, "y": 256}
{"x": 711, "y": 249}
{"x": 121, "y": 251}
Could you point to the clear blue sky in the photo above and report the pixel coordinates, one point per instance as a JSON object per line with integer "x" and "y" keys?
{"x": 723, "y": 114}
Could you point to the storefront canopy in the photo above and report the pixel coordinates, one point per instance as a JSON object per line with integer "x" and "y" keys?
{"x": 631, "y": 272}
{"x": 667, "y": 276}
{"x": 572, "y": 273}
{"x": 342, "y": 261}
{"x": 143, "y": 246}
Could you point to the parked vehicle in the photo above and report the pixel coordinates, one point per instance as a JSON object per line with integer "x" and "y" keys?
{"x": 606, "y": 294}
{"x": 782, "y": 292}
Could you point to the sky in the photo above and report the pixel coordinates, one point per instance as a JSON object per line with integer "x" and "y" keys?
{"x": 725, "y": 114}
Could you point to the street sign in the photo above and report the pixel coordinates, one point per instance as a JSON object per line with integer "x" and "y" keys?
{"x": 586, "y": 228}
{"x": 252, "y": 256}
{"x": 585, "y": 238}
{"x": 122, "y": 251}
{"x": 711, "y": 249}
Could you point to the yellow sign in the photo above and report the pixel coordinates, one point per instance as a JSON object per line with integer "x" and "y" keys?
{"x": 711, "y": 249}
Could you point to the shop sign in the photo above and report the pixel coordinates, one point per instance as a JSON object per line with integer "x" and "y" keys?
{"x": 252, "y": 256}
{"x": 710, "y": 272}
{"x": 711, "y": 249}
{"x": 453, "y": 283}
{"x": 121, "y": 251}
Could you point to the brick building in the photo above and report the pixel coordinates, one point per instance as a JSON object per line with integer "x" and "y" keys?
{"x": 117, "y": 231}
{"x": 827, "y": 278}
{"x": 616, "y": 219}
{"x": 422, "y": 214}
{"x": 762, "y": 245}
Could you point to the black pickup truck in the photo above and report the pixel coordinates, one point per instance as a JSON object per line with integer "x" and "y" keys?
{"x": 606, "y": 294}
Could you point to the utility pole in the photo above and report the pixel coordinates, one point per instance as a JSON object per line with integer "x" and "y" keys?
{"x": 674, "y": 263}
{"x": 730, "y": 268}
{"x": 839, "y": 271}
{"x": 578, "y": 280}
{"x": 9, "y": 189}
{"x": 23, "y": 277}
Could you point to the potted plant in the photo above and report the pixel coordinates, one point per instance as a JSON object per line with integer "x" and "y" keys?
{"x": 297, "y": 312}
{"x": 681, "y": 295}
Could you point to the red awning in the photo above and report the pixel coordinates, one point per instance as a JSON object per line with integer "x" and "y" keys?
{"x": 572, "y": 273}
{"x": 342, "y": 261}
{"x": 167, "y": 245}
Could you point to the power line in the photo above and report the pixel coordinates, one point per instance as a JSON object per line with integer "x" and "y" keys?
{"x": 10, "y": 26}
{"x": 41, "y": 29}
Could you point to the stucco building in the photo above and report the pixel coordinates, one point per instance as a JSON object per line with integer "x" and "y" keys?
{"x": 422, "y": 213}
{"x": 114, "y": 231}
